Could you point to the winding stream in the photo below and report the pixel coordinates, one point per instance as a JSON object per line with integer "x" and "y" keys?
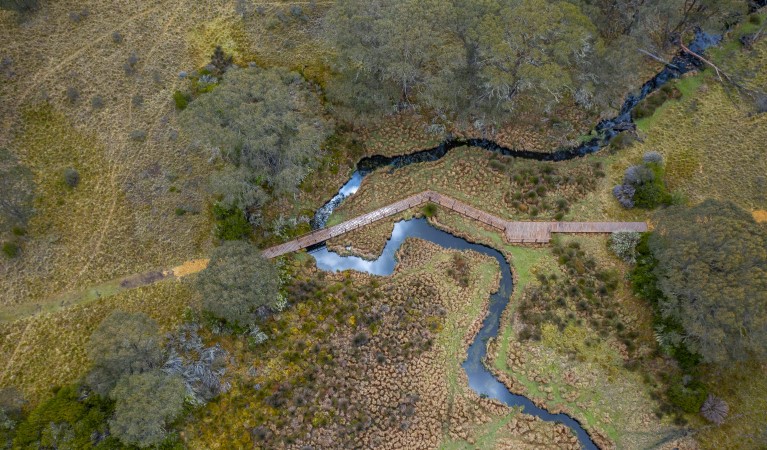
{"x": 481, "y": 380}
{"x": 604, "y": 133}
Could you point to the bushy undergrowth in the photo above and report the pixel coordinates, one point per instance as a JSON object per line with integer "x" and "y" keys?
{"x": 685, "y": 393}
{"x": 231, "y": 223}
{"x": 623, "y": 244}
{"x": 644, "y": 184}
{"x": 648, "y": 106}
{"x": 532, "y": 187}
{"x": 582, "y": 297}
{"x": 310, "y": 360}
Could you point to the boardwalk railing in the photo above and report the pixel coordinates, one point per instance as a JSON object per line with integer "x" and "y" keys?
{"x": 532, "y": 232}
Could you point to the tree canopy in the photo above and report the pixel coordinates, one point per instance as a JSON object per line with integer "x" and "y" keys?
{"x": 494, "y": 58}
{"x": 712, "y": 269}
{"x": 465, "y": 58}
{"x": 72, "y": 419}
{"x": 123, "y": 344}
{"x": 145, "y": 404}
{"x": 239, "y": 285}
{"x": 267, "y": 121}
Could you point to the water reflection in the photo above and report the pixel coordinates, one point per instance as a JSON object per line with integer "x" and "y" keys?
{"x": 480, "y": 379}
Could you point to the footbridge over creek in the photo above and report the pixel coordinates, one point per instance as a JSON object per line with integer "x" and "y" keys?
{"x": 515, "y": 232}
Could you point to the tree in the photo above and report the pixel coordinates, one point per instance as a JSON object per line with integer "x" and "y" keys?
{"x": 237, "y": 188}
{"x": 390, "y": 52}
{"x": 524, "y": 58}
{"x": 145, "y": 404}
{"x": 265, "y": 120}
{"x": 123, "y": 344}
{"x": 712, "y": 270}
{"x": 470, "y": 59}
{"x": 16, "y": 192}
{"x": 655, "y": 22}
{"x": 239, "y": 285}
{"x": 72, "y": 419}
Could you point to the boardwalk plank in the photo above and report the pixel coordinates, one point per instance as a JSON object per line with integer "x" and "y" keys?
{"x": 522, "y": 232}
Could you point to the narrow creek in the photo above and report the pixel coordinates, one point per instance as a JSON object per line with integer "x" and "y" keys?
{"x": 603, "y": 133}
{"x": 481, "y": 380}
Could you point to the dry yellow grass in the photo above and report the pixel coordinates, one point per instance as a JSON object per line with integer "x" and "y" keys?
{"x": 46, "y": 350}
{"x": 121, "y": 218}
{"x": 190, "y": 267}
{"x": 760, "y": 215}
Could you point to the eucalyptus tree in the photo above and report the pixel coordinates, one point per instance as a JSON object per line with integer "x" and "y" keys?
{"x": 389, "y": 52}
{"x": 712, "y": 270}
{"x": 123, "y": 344}
{"x": 531, "y": 53}
{"x": 267, "y": 122}
{"x": 239, "y": 285}
{"x": 145, "y": 404}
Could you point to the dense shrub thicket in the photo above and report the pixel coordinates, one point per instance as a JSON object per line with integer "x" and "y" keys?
{"x": 643, "y": 184}
{"x": 704, "y": 270}
{"x": 138, "y": 386}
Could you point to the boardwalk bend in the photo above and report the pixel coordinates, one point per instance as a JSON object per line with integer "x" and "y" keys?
{"x": 515, "y": 232}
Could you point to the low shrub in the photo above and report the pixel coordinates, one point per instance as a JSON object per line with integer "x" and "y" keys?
{"x": 97, "y": 102}
{"x": 79, "y": 16}
{"x": 429, "y": 210}
{"x": 130, "y": 65}
{"x": 643, "y": 184}
{"x": 72, "y": 94}
{"x": 625, "y": 195}
{"x": 689, "y": 397}
{"x": 623, "y": 244}
{"x": 11, "y": 249}
{"x": 761, "y": 103}
{"x": 138, "y": 135}
{"x": 231, "y": 223}
{"x": 71, "y": 177}
{"x": 181, "y": 100}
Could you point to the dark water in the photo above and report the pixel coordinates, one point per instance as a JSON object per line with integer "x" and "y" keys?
{"x": 604, "y": 132}
{"x": 480, "y": 379}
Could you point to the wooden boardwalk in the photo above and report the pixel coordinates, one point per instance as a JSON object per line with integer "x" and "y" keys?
{"x": 515, "y": 232}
